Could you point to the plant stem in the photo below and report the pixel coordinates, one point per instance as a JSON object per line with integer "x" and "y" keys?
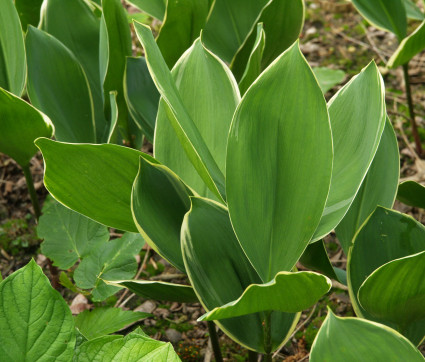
{"x": 412, "y": 110}
{"x": 214, "y": 342}
{"x": 31, "y": 189}
{"x": 267, "y": 337}
{"x": 252, "y": 356}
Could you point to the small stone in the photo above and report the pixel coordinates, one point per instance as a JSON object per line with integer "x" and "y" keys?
{"x": 146, "y": 307}
{"x": 173, "y": 335}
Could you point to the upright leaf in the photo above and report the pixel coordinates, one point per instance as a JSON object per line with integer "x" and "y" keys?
{"x": 35, "y": 322}
{"x": 29, "y": 12}
{"x": 210, "y": 96}
{"x": 357, "y": 113}
{"x": 411, "y": 193}
{"x": 379, "y": 187}
{"x": 20, "y": 125}
{"x": 274, "y": 187}
{"x": 58, "y": 86}
{"x": 156, "y": 8}
{"x": 412, "y": 10}
{"x": 12, "y": 51}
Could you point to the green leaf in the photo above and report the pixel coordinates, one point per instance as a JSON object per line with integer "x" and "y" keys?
{"x": 387, "y": 235}
{"x": 210, "y": 95}
{"x": 111, "y": 134}
{"x": 58, "y": 86}
{"x": 253, "y": 66}
{"x": 328, "y": 78}
{"x": 378, "y": 188}
{"x": 102, "y": 321}
{"x": 409, "y": 47}
{"x": 35, "y": 322}
{"x": 155, "y": 8}
{"x": 141, "y": 95}
{"x": 133, "y": 347}
{"x": 187, "y": 132}
{"x": 182, "y": 24}
{"x": 395, "y": 295}
{"x": 159, "y": 202}
{"x": 29, "y": 12}
{"x": 219, "y": 271}
{"x": 354, "y": 339}
{"x": 110, "y": 261}
{"x": 385, "y": 14}
{"x": 276, "y": 186}
{"x": 287, "y": 292}
{"x": 229, "y": 24}
{"x": 160, "y": 290}
{"x": 68, "y": 236}
{"x": 58, "y": 18}
{"x": 411, "y": 193}
{"x": 13, "y": 65}
{"x": 20, "y": 125}
{"x": 357, "y": 113}
{"x": 75, "y": 175}
{"x": 115, "y": 46}
{"x": 412, "y": 10}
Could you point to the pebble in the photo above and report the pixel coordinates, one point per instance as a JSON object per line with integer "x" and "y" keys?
{"x": 147, "y": 307}
{"x": 173, "y": 335}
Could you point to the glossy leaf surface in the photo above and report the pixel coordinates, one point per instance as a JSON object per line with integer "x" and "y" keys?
{"x": 354, "y": 339}
{"x": 188, "y": 134}
{"x": 411, "y": 193}
{"x": 357, "y": 113}
{"x": 35, "y": 321}
{"x": 220, "y": 272}
{"x": 102, "y": 321}
{"x": 378, "y": 188}
{"x": 210, "y": 96}
{"x": 58, "y": 86}
{"x": 68, "y": 236}
{"x": 20, "y": 125}
{"x": 275, "y": 187}
{"x": 12, "y": 50}
{"x": 75, "y": 175}
{"x": 328, "y": 78}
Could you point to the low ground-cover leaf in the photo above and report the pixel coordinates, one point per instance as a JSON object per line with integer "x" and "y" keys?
{"x": 159, "y": 202}
{"x": 287, "y": 292}
{"x": 102, "y": 321}
{"x": 184, "y": 127}
{"x": 357, "y": 113}
{"x": 141, "y": 95}
{"x": 133, "y": 347}
{"x": 395, "y": 295}
{"x": 58, "y": 86}
{"x": 35, "y": 322}
{"x": 275, "y": 186}
{"x": 210, "y": 95}
{"x": 160, "y": 290}
{"x": 354, "y": 339}
{"x": 68, "y": 236}
{"x": 94, "y": 180}
{"x": 328, "y": 78}
{"x": 12, "y": 50}
{"x": 113, "y": 260}
{"x": 411, "y": 193}
{"x": 379, "y": 187}
{"x": 219, "y": 272}
{"x": 20, "y": 125}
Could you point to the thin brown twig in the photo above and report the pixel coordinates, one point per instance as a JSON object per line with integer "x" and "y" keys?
{"x": 373, "y": 45}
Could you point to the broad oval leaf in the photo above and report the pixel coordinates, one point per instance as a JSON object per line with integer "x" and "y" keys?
{"x": 357, "y": 113}
{"x": 75, "y": 175}
{"x": 287, "y": 292}
{"x": 219, "y": 272}
{"x": 328, "y": 78}
{"x": 411, "y": 193}
{"x": 379, "y": 187}
{"x": 210, "y": 96}
{"x": 35, "y": 321}
{"x": 386, "y": 14}
{"x": 13, "y": 67}
{"x": 58, "y": 86}
{"x": 275, "y": 188}
{"x": 395, "y": 295}
{"x": 68, "y": 236}
{"x": 20, "y": 125}
{"x": 184, "y": 127}
{"x": 354, "y": 339}
{"x": 412, "y": 10}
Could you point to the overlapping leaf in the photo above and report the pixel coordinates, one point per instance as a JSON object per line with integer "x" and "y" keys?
{"x": 411, "y": 193}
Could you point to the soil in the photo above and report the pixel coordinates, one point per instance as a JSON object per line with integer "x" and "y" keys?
{"x": 334, "y": 35}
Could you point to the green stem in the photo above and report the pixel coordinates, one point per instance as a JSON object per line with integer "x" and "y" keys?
{"x": 214, "y": 342}
{"x": 31, "y": 189}
{"x": 267, "y": 337}
{"x": 252, "y": 356}
{"x": 412, "y": 110}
